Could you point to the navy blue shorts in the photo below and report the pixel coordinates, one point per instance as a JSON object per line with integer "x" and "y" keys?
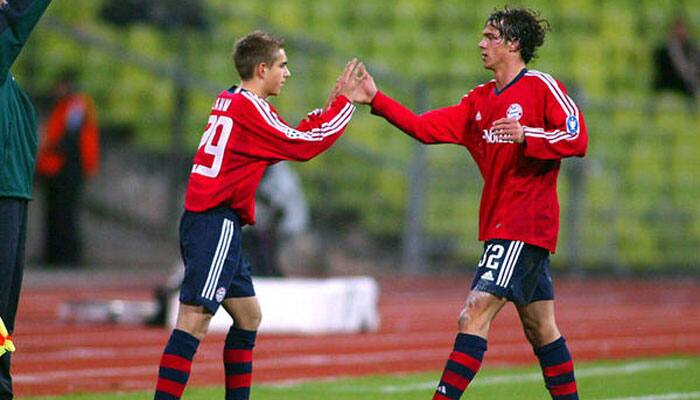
{"x": 215, "y": 268}
{"x": 514, "y": 270}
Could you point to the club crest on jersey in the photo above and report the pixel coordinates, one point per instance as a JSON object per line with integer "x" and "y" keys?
{"x": 515, "y": 111}
{"x": 572, "y": 125}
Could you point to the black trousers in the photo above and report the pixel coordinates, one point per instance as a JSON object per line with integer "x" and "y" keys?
{"x": 63, "y": 234}
{"x": 13, "y": 231}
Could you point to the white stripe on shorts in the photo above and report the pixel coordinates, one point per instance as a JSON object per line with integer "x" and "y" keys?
{"x": 217, "y": 262}
{"x": 509, "y": 263}
{"x": 505, "y": 262}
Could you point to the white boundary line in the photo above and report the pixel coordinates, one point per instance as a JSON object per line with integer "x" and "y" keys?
{"x": 665, "y": 396}
{"x": 624, "y": 369}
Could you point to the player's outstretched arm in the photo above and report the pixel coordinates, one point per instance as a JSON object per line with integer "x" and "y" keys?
{"x": 444, "y": 125}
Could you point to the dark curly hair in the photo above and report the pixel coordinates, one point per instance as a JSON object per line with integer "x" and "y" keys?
{"x": 523, "y": 25}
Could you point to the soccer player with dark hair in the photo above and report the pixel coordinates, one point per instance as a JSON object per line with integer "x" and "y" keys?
{"x": 18, "y": 144}
{"x": 517, "y": 128}
{"x": 243, "y": 136}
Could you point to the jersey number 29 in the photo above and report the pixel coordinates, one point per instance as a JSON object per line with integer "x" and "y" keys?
{"x": 215, "y": 124}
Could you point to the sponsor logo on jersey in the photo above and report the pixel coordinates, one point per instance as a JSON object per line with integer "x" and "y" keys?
{"x": 572, "y": 125}
{"x": 515, "y": 111}
{"x": 490, "y": 137}
{"x": 478, "y": 116}
{"x": 220, "y": 293}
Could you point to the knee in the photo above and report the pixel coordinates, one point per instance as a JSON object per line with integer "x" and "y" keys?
{"x": 463, "y": 320}
{"x": 249, "y": 321}
{"x": 255, "y": 320}
{"x": 540, "y": 333}
{"x": 196, "y": 324}
{"x": 470, "y": 318}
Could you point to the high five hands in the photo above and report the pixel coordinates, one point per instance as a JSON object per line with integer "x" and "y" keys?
{"x": 355, "y": 83}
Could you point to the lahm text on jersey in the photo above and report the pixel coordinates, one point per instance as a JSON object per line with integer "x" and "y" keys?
{"x": 221, "y": 104}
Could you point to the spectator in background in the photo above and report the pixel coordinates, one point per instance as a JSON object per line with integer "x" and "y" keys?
{"x": 17, "y": 152}
{"x": 282, "y": 214}
{"x": 677, "y": 62}
{"x": 69, "y": 154}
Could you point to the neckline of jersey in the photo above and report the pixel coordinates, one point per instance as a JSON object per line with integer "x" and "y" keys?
{"x": 511, "y": 83}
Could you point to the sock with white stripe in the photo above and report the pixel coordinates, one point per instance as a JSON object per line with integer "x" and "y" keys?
{"x": 238, "y": 363}
{"x": 558, "y": 370}
{"x": 175, "y": 365}
{"x": 463, "y": 364}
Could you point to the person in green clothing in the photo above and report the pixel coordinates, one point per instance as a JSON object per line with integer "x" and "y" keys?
{"x": 18, "y": 144}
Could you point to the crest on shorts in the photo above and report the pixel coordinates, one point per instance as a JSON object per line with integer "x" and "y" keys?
{"x": 515, "y": 111}
{"x": 220, "y": 293}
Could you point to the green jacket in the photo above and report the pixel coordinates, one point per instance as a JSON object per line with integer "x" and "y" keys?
{"x": 18, "y": 138}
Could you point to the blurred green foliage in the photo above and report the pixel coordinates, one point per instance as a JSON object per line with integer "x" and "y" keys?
{"x": 640, "y": 196}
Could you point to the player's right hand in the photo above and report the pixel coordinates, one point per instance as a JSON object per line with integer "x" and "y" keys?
{"x": 367, "y": 89}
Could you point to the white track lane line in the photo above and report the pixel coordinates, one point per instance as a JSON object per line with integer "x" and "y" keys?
{"x": 624, "y": 369}
{"x": 665, "y": 396}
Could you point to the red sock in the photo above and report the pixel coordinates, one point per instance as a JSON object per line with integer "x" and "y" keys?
{"x": 558, "y": 370}
{"x": 238, "y": 363}
{"x": 463, "y": 364}
{"x": 175, "y": 365}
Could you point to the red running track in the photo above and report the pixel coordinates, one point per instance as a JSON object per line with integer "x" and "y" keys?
{"x": 601, "y": 319}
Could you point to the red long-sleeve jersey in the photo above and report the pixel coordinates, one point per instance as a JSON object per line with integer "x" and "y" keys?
{"x": 519, "y": 197}
{"x": 245, "y": 134}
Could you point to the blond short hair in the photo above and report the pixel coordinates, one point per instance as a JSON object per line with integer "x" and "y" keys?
{"x": 253, "y": 49}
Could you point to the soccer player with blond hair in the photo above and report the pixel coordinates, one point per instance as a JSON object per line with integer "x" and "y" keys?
{"x": 244, "y": 135}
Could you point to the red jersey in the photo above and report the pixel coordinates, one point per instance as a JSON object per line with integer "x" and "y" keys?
{"x": 519, "y": 198}
{"x": 243, "y": 136}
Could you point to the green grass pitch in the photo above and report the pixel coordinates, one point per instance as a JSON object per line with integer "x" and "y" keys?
{"x": 674, "y": 378}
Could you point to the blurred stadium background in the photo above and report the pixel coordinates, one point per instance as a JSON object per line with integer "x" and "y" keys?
{"x": 380, "y": 203}
{"x": 393, "y": 206}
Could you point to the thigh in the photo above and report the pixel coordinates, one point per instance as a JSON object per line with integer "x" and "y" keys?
{"x": 210, "y": 243}
{"x": 511, "y": 269}
{"x": 242, "y": 282}
{"x": 482, "y": 307}
{"x": 536, "y": 313}
{"x": 539, "y": 322}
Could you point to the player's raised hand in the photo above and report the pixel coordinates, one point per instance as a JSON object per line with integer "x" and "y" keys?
{"x": 508, "y": 129}
{"x": 366, "y": 89}
{"x": 353, "y": 89}
{"x": 342, "y": 81}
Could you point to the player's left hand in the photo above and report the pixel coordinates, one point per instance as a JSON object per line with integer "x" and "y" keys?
{"x": 342, "y": 82}
{"x": 508, "y": 129}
